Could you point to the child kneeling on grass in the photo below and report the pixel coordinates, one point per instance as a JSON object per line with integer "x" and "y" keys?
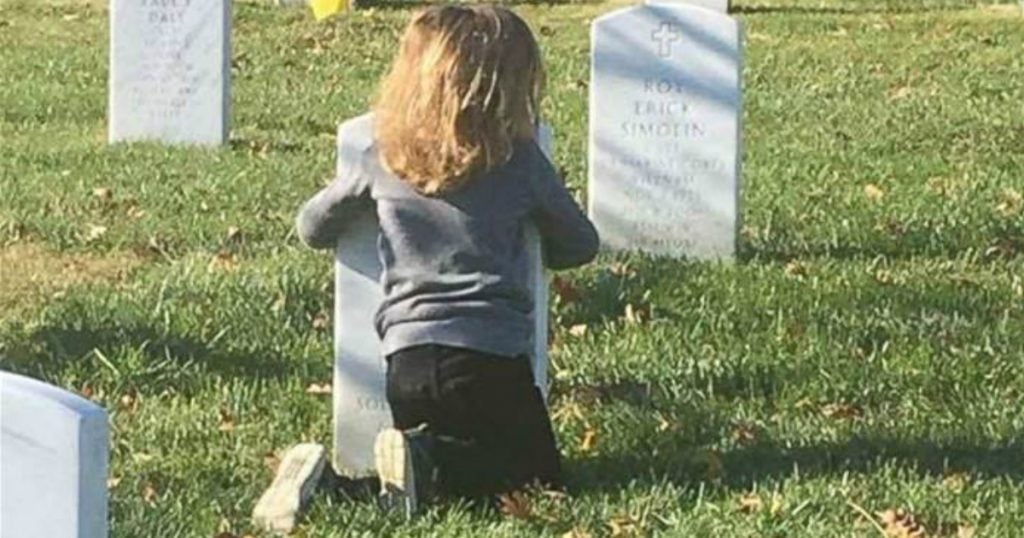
{"x": 450, "y": 162}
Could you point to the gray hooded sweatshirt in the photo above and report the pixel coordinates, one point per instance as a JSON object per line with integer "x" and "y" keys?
{"x": 454, "y": 264}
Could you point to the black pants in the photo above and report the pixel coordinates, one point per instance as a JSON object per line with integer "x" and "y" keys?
{"x": 489, "y": 424}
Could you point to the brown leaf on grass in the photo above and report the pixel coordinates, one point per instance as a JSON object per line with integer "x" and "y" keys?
{"x": 233, "y": 234}
{"x": 622, "y": 270}
{"x": 624, "y": 526}
{"x": 1010, "y": 203}
{"x": 955, "y": 481}
{"x": 321, "y": 321}
{"x": 516, "y": 505}
{"x": 744, "y": 433}
{"x": 223, "y": 261}
{"x": 965, "y": 531}
{"x": 271, "y": 461}
{"x": 226, "y": 421}
{"x": 795, "y": 269}
{"x": 579, "y": 330}
{"x": 900, "y": 92}
{"x": 589, "y": 440}
{"x": 103, "y": 194}
{"x": 113, "y": 481}
{"x": 577, "y": 532}
{"x": 749, "y": 503}
{"x": 149, "y": 493}
{"x": 637, "y": 314}
{"x": 129, "y": 401}
{"x": 841, "y": 411}
{"x": 873, "y": 192}
{"x": 901, "y": 524}
{"x": 565, "y": 290}
{"x": 94, "y": 232}
{"x": 319, "y": 389}
{"x": 134, "y": 212}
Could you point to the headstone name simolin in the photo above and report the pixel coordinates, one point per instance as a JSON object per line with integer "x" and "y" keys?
{"x": 170, "y": 71}
{"x": 665, "y": 130}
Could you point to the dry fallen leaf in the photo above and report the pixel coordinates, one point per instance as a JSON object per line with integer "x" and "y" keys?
{"x": 955, "y": 481}
{"x": 750, "y": 503}
{"x": 129, "y": 401}
{"x": 113, "y": 481}
{"x": 224, "y": 261}
{"x": 576, "y": 532}
{"x": 321, "y": 321}
{"x": 94, "y": 232}
{"x": 319, "y": 389}
{"x": 578, "y": 330}
{"x": 841, "y": 411}
{"x": 744, "y": 433}
{"x": 103, "y": 193}
{"x": 271, "y": 462}
{"x": 589, "y": 440}
{"x": 149, "y": 493}
{"x": 623, "y": 526}
{"x": 873, "y": 192}
{"x": 233, "y": 234}
{"x": 637, "y": 314}
{"x": 565, "y": 290}
{"x": 901, "y": 524}
{"x": 226, "y": 421}
{"x": 795, "y": 269}
{"x": 516, "y": 504}
{"x": 965, "y": 531}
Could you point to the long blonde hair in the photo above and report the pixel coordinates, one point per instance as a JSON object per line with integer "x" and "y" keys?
{"x": 464, "y": 88}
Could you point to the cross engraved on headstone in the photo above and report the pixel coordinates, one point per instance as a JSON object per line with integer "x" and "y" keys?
{"x": 665, "y": 35}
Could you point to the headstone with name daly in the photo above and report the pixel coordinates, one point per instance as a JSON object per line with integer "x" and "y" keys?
{"x": 360, "y": 405}
{"x": 53, "y": 462}
{"x": 170, "y": 71}
{"x": 665, "y": 131}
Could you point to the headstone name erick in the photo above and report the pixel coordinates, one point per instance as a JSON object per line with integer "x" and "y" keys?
{"x": 665, "y": 111}
{"x": 360, "y": 405}
{"x": 170, "y": 71}
{"x": 53, "y": 462}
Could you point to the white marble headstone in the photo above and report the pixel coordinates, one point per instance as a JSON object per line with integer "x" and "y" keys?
{"x": 665, "y": 130}
{"x": 170, "y": 71}
{"x": 721, "y": 6}
{"x": 53, "y": 462}
{"x": 360, "y": 404}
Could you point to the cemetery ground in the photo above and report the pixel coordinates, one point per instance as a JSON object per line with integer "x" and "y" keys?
{"x": 862, "y": 355}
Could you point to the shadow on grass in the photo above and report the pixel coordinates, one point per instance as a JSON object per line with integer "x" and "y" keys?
{"x": 842, "y": 10}
{"x": 412, "y": 4}
{"x": 53, "y": 349}
{"x": 677, "y": 460}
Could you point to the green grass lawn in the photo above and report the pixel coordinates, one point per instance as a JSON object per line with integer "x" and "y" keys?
{"x": 863, "y": 354}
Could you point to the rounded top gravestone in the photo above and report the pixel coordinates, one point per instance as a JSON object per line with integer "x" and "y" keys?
{"x": 53, "y": 462}
{"x": 665, "y": 133}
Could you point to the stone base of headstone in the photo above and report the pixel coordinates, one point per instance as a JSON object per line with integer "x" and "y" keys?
{"x": 279, "y": 508}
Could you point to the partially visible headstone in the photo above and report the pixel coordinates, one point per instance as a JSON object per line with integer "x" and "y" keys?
{"x": 360, "y": 405}
{"x": 722, "y": 6}
{"x": 297, "y": 477}
{"x": 665, "y": 131}
{"x": 170, "y": 71}
{"x": 53, "y": 462}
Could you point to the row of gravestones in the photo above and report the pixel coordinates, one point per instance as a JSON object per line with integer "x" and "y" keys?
{"x": 664, "y": 178}
{"x": 664, "y": 126}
